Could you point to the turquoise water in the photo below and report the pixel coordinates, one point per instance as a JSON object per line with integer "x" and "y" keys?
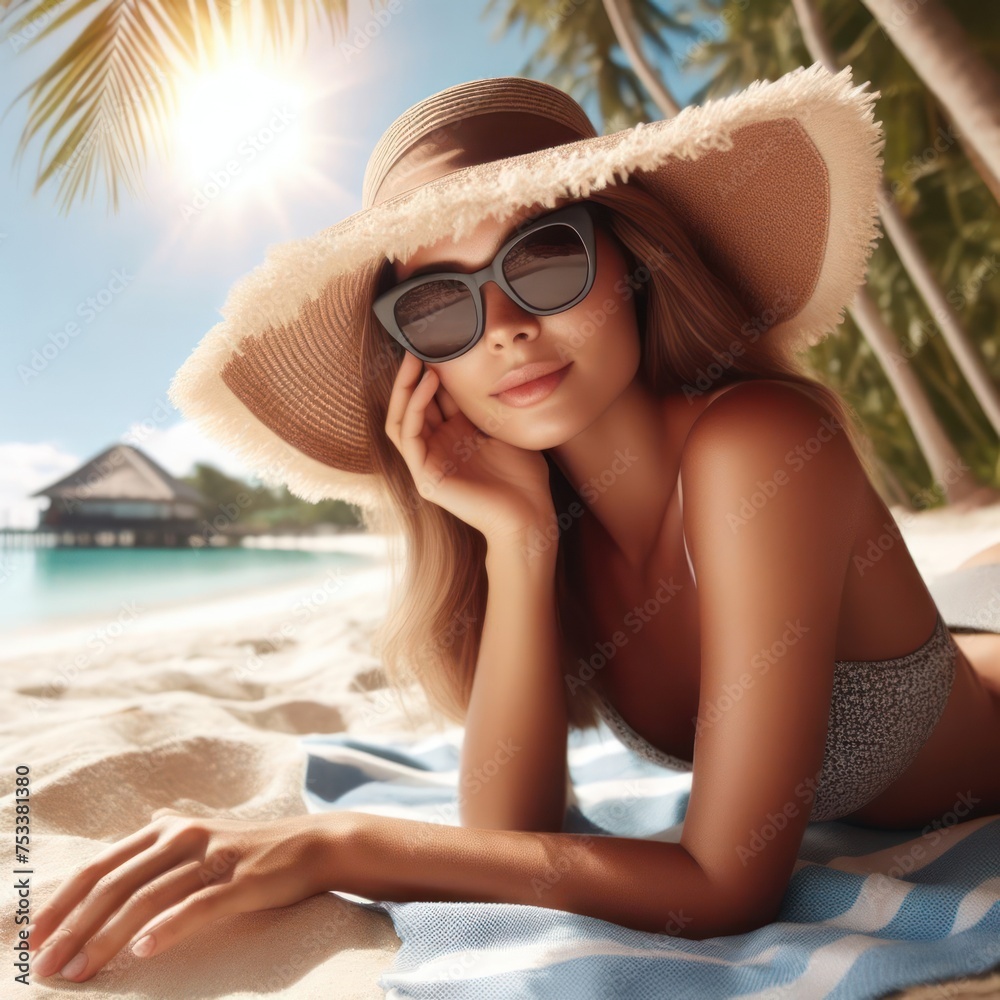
{"x": 44, "y": 585}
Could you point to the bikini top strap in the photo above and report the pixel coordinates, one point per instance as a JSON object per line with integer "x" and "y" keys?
{"x": 680, "y": 489}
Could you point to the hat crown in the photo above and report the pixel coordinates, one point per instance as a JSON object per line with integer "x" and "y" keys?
{"x": 441, "y": 133}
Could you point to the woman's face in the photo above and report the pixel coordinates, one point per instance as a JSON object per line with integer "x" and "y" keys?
{"x": 598, "y": 337}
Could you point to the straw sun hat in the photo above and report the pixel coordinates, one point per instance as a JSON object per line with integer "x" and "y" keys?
{"x": 776, "y": 185}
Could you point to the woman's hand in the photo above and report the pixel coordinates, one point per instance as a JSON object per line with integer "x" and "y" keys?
{"x": 170, "y": 879}
{"x": 493, "y": 486}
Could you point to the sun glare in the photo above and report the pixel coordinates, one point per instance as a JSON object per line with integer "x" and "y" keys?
{"x": 255, "y": 137}
{"x": 239, "y": 127}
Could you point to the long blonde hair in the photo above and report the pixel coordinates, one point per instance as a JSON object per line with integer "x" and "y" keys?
{"x": 688, "y": 320}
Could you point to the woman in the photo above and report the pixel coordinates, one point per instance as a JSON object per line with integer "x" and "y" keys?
{"x": 671, "y": 524}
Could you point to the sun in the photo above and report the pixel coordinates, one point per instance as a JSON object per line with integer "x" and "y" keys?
{"x": 254, "y": 135}
{"x": 239, "y": 126}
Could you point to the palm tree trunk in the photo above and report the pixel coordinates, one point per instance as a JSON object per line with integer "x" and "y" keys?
{"x": 623, "y": 21}
{"x": 941, "y": 457}
{"x": 968, "y": 88}
{"x": 952, "y": 477}
{"x": 920, "y": 274}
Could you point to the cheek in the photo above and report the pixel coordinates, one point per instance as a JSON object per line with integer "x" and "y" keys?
{"x": 460, "y": 385}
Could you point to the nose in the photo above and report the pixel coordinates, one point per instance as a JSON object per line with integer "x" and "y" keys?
{"x": 504, "y": 319}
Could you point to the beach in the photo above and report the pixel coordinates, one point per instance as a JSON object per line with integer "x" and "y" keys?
{"x": 199, "y": 706}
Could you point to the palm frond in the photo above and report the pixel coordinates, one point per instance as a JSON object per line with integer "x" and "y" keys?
{"x": 113, "y": 89}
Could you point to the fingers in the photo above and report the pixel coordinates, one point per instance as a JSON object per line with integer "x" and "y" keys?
{"x": 61, "y": 903}
{"x": 414, "y": 416}
{"x": 412, "y": 375}
{"x": 404, "y": 424}
{"x": 69, "y": 922}
{"x": 406, "y": 377}
{"x": 88, "y": 943}
{"x": 192, "y": 913}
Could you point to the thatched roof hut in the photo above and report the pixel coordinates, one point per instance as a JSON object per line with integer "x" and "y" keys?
{"x": 123, "y": 490}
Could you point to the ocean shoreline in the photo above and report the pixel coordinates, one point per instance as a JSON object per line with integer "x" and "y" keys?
{"x": 233, "y": 603}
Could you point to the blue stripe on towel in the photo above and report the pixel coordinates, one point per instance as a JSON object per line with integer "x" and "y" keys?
{"x": 866, "y": 911}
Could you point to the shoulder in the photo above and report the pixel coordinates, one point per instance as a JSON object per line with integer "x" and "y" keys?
{"x": 769, "y": 427}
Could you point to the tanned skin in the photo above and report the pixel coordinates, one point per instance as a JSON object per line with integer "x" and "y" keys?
{"x": 789, "y": 571}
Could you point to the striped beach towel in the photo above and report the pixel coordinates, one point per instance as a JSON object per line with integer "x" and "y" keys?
{"x": 866, "y": 912}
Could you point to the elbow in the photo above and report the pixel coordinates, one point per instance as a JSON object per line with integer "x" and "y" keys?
{"x": 739, "y": 916}
{"x": 722, "y": 909}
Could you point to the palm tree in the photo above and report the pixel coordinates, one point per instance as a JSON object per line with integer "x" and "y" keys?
{"x": 577, "y": 52}
{"x": 941, "y": 456}
{"x": 938, "y": 48}
{"x": 116, "y": 83}
{"x": 913, "y": 259}
{"x": 956, "y": 220}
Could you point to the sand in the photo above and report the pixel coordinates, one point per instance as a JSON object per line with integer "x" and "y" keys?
{"x": 200, "y": 707}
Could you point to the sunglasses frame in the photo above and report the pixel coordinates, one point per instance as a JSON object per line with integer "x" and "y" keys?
{"x": 579, "y": 216}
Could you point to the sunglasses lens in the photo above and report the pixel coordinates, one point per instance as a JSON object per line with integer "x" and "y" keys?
{"x": 438, "y": 317}
{"x": 549, "y": 267}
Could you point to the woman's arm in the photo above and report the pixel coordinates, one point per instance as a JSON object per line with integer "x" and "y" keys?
{"x": 513, "y": 769}
{"x": 178, "y": 874}
{"x": 647, "y": 885}
{"x": 773, "y": 497}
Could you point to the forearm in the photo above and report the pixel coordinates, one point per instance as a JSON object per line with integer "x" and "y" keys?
{"x": 514, "y": 747}
{"x": 646, "y": 885}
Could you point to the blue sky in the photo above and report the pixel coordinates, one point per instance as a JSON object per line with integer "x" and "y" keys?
{"x": 100, "y": 309}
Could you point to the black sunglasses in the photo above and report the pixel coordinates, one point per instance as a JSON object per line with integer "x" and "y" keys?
{"x": 546, "y": 268}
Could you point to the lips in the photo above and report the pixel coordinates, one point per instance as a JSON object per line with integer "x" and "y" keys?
{"x": 525, "y": 374}
{"x": 534, "y": 391}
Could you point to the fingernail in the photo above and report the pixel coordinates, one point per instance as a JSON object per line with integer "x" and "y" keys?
{"x": 143, "y": 946}
{"x": 45, "y": 963}
{"x": 74, "y": 966}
